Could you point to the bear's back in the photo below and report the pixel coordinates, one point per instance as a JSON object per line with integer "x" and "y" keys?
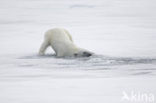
{"x": 57, "y": 34}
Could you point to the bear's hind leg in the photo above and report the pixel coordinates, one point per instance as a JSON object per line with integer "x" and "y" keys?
{"x": 43, "y": 47}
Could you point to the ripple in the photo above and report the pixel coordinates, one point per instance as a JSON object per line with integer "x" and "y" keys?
{"x": 90, "y": 62}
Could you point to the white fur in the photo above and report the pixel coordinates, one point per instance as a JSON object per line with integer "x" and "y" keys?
{"x": 61, "y": 42}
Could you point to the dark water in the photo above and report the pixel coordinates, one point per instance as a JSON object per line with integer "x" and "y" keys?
{"x": 96, "y": 65}
{"x": 93, "y": 61}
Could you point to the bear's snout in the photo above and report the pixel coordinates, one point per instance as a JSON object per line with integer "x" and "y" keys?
{"x": 87, "y": 54}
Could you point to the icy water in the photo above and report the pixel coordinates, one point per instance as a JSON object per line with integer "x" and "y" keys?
{"x": 97, "y": 65}
{"x": 119, "y": 66}
{"x": 121, "y": 33}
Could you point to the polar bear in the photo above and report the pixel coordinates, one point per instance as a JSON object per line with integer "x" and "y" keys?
{"x": 62, "y": 43}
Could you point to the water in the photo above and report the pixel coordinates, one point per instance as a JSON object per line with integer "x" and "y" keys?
{"x": 118, "y": 66}
{"x": 93, "y": 61}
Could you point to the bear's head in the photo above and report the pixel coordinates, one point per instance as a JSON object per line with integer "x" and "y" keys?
{"x": 83, "y": 53}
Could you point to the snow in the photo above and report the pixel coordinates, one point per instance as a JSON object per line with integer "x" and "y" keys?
{"x": 44, "y": 89}
{"x": 121, "y": 33}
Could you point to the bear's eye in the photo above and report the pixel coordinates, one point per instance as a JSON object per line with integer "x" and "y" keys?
{"x": 75, "y": 54}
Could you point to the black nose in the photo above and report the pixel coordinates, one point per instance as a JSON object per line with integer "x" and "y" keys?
{"x": 86, "y": 54}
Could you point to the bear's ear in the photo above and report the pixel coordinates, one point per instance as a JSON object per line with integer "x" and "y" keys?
{"x": 87, "y": 54}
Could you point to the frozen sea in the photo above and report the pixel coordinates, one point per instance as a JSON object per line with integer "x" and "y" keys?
{"x": 121, "y": 33}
